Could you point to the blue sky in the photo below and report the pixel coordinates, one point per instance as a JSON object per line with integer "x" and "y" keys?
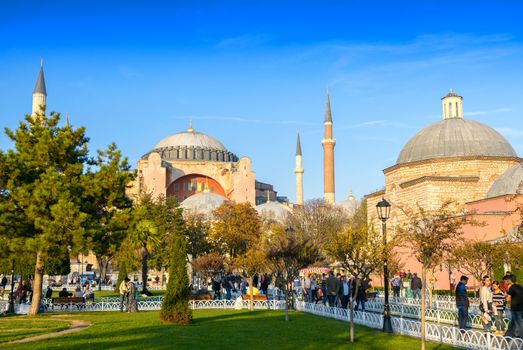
{"x": 253, "y": 74}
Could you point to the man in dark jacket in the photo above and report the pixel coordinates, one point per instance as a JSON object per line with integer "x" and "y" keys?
{"x": 462, "y": 302}
{"x": 515, "y": 298}
{"x": 333, "y": 286}
{"x": 415, "y": 286}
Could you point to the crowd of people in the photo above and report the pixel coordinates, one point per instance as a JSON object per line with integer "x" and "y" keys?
{"x": 497, "y": 300}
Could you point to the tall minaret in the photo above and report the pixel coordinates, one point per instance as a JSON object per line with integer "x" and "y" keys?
{"x": 39, "y": 93}
{"x": 328, "y": 155}
{"x": 299, "y": 173}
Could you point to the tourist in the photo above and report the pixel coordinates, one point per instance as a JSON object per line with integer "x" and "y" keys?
{"x": 396, "y": 286}
{"x": 333, "y": 285}
{"x": 78, "y": 292}
{"x": 361, "y": 295}
{"x": 133, "y": 297}
{"x": 415, "y": 286}
{"x": 264, "y": 284}
{"x": 3, "y": 283}
{"x": 227, "y": 283}
{"x": 124, "y": 294}
{"x": 323, "y": 285}
{"x": 87, "y": 292}
{"x": 515, "y": 299}
{"x": 462, "y": 302}
{"x": 48, "y": 292}
{"x": 21, "y": 292}
{"x": 64, "y": 293}
{"x": 314, "y": 288}
{"x": 504, "y": 282}
{"x": 344, "y": 291}
{"x": 306, "y": 288}
{"x": 216, "y": 288}
{"x": 485, "y": 304}
{"x": 498, "y": 306}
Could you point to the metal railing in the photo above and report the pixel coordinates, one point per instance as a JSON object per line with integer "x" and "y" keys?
{"x": 470, "y": 339}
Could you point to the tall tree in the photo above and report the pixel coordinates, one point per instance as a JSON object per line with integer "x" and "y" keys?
{"x": 288, "y": 251}
{"x": 432, "y": 234}
{"x": 175, "y": 306}
{"x": 476, "y": 257}
{"x": 107, "y": 205}
{"x": 41, "y": 186}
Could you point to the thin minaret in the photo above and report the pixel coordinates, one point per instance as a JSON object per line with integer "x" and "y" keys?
{"x": 39, "y": 92}
{"x": 299, "y": 173}
{"x": 328, "y": 144}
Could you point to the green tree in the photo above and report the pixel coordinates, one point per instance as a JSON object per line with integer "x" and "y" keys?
{"x": 432, "y": 234}
{"x": 175, "y": 306}
{"x": 41, "y": 186}
{"x": 476, "y": 257}
{"x": 107, "y": 205}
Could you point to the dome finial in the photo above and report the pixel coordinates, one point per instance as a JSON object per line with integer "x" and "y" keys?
{"x": 190, "y": 126}
{"x": 351, "y": 196}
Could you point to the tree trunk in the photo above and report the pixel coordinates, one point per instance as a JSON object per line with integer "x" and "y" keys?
{"x": 37, "y": 285}
{"x": 423, "y": 290}
{"x": 144, "y": 270}
{"x": 351, "y": 323}
{"x": 162, "y": 275}
{"x": 251, "y": 293}
{"x": 286, "y": 300}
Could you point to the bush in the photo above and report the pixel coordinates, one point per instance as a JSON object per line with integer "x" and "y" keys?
{"x": 175, "y": 307}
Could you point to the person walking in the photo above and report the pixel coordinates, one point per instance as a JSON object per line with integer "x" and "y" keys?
{"x": 462, "y": 302}
{"x": 396, "y": 286}
{"x": 344, "y": 291}
{"x": 133, "y": 297}
{"x": 485, "y": 305}
{"x": 314, "y": 290}
{"x": 498, "y": 305}
{"x": 515, "y": 299}
{"x": 306, "y": 288}
{"x": 124, "y": 294}
{"x": 360, "y": 294}
{"x": 333, "y": 286}
{"x": 323, "y": 284}
{"x": 415, "y": 286}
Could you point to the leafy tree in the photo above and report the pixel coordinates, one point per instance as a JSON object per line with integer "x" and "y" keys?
{"x": 289, "y": 251}
{"x": 197, "y": 230}
{"x": 175, "y": 306}
{"x": 431, "y": 234}
{"x": 209, "y": 265}
{"x": 41, "y": 186}
{"x": 249, "y": 263}
{"x": 476, "y": 257}
{"x": 108, "y": 206}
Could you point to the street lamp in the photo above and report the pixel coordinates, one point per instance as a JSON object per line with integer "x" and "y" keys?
{"x": 383, "y": 209}
{"x": 11, "y": 308}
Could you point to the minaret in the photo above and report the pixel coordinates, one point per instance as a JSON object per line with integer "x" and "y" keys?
{"x": 328, "y": 144}
{"x": 452, "y": 105}
{"x": 39, "y": 93}
{"x": 299, "y": 173}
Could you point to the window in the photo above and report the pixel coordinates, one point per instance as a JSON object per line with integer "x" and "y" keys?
{"x": 194, "y": 184}
{"x": 176, "y": 188}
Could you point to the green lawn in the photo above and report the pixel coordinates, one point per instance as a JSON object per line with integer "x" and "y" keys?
{"x": 218, "y": 329}
{"x": 12, "y": 328}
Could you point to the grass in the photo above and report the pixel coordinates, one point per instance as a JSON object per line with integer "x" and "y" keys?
{"x": 12, "y": 328}
{"x": 218, "y": 329}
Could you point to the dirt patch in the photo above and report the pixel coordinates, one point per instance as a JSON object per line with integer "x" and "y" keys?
{"x": 74, "y": 326}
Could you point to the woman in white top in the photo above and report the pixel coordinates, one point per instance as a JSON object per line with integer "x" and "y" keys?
{"x": 485, "y": 297}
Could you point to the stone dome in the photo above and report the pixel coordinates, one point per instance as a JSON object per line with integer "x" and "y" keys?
{"x": 274, "y": 210}
{"x": 203, "y": 203}
{"x": 455, "y": 137}
{"x": 509, "y": 182}
{"x": 192, "y": 145}
{"x": 350, "y": 205}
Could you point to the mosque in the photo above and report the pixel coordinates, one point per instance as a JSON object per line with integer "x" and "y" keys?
{"x": 455, "y": 159}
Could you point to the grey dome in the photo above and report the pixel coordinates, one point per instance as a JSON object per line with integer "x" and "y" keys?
{"x": 192, "y": 145}
{"x": 350, "y": 205}
{"x": 191, "y": 138}
{"x": 507, "y": 183}
{"x": 273, "y": 210}
{"x": 455, "y": 137}
{"x": 203, "y": 203}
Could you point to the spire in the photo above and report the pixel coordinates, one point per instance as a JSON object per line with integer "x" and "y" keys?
{"x": 298, "y": 146}
{"x": 190, "y": 126}
{"x": 67, "y": 120}
{"x": 328, "y": 116}
{"x": 40, "y": 82}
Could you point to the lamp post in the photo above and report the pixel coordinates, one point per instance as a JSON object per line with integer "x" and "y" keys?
{"x": 11, "y": 309}
{"x": 383, "y": 208}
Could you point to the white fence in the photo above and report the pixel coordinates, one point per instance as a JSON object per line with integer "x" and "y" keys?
{"x": 470, "y": 339}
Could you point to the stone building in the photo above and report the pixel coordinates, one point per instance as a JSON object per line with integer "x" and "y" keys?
{"x": 188, "y": 162}
{"x": 453, "y": 159}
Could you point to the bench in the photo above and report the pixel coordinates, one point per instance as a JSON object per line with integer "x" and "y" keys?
{"x": 259, "y": 297}
{"x": 68, "y": 302}
{"x": 200, "y": 297}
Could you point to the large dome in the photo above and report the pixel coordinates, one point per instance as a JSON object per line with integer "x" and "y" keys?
{"x": 192, "y": 145}
{"x": 510, "y": 182}
{"x": 191, "y": 138}
{"x": 455, "y": 137}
